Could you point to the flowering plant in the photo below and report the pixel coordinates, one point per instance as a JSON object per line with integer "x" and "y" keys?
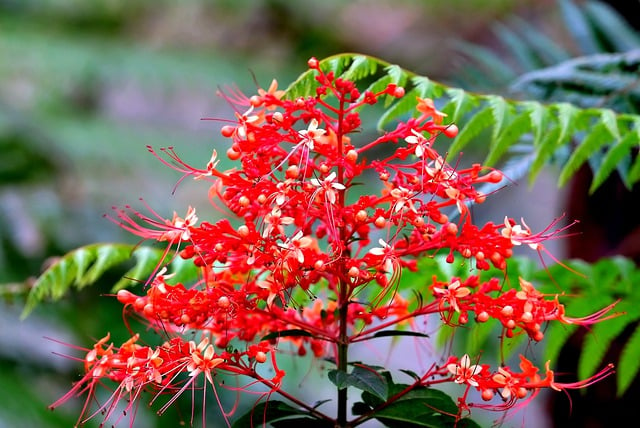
{"x": 309, "y": 264}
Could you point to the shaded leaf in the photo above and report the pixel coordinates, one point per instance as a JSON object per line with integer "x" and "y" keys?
{"x": 363, "y": 378}
{"x": 553, "y": 126}
{"x": 270, "y": 411}
{"x": 419, "y": 407}
{"x": 287, "y": 333}
{"x": 588, "y": 147}
{"x": 388, "y": 333}
{"x": 629, "y": 365}
{"x": 84, "y": 266}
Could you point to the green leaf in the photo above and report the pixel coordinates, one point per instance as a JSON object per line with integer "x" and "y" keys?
{"x": 499, "y": 109}
{"x": 402, "y": 107}
{"x": 613, "y": 158}
{"x": 610, "y": 120}
{"x": 597, "y": 342}
{"x": 578, "y": 26}
{"x": 593, "y": 142}
{"x": 361, "y": 67}
{"x": 518, "y": 48}
{"x": 272, "y": 410}
{"x": 363, "y": 378}
{"x": 510, "y": 135}
{"x": 629, "y": 365}
{"x": 287, "y": 333}
{"x": 612, "y": 26}
{"x": 387, "y": 333}
{"x": 567, "y": 114}
{"x": 544, "y": 152}
{"x": 553, "y": 126}
{"x": 634, "y": 172}
{"x": 461, "y": 103}
{"x": 301, "y": 422}
{"x": 478, "y": 122}
{"x": 538, "y": 115}
{"x": 419, "y": 407}
{"x": 78, "y": 268}
{"x": 86, "y": 265}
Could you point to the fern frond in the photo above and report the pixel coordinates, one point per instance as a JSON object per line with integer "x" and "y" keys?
{"x": 629, "y": 364}
{"x": 550, "y": 128}
{"x": 590, "y": 146}
{"x": 578, "y": 26}
{"x": 599, "y": 285}
{"x": 614, "y": 30}
{"x": 597, "y": 342}
{"x": 84, "y": 266}
{"x": 604, "y": 282}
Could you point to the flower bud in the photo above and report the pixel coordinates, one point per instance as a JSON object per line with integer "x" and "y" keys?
{"x": 451, "y": 131}
{"x": 243, "y": 231}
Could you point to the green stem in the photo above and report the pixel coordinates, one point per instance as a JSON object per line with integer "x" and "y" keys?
{"x": 343, "y": 298}
{"x": 343, "y": 349}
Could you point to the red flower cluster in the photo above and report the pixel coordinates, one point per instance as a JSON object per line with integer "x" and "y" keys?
{"x": 304, "y": 232}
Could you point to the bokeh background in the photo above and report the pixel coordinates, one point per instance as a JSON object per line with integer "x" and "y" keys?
{"x": 85, "y": 86}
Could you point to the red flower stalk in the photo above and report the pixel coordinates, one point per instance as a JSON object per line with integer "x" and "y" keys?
{"x": 302, "y": 233}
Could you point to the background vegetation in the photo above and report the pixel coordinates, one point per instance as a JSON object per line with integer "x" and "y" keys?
{"x": 85, "y": 86}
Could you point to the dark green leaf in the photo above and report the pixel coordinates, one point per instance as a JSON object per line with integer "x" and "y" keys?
{"x": 578, "y": 25}
{"x": 286, "y": 333}
{"x": 480, "y": 121}
{"x": 387, "y": 333}
{"x": 592, "y": 143}
{"x": 613, "y": 158}
{"x": 629, "y": 365}
{"x": 552, "y": 126}
{"x": 302, "y": 422}
{"x": 425, "y": 407}
{"x": 270, "y": 411}
{"x": 363, "y": 378}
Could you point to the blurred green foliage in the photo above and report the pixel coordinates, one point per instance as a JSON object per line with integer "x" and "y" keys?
{"x": 85, "y": 86}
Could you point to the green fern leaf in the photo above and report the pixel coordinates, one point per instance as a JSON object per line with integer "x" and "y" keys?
{"x": 545, "y": 150}
{"x": 403, "y": 106}
{"x": 336, "y": 64}
{"x": 593, "y": 142}
{"x": 579, "y": 27}
{"x": 427, "y": 87}
{"x": 86, "y": 265}
{"x": 552, "y": 126}
{"x": 509, "y": 136}
{"x": 361, "y": 67}
{"x": 499, "y": 110}
{"x": 518, "y": 48}
{"x": 304, "y": 85}
{"x": 461, "y": 103}
{"x": 597, "y": 342}
{"x": 539, "y": 117}
{"x": 611, "y": 27}
{"x": 480, "y": 121}
{"x": 555, "y": 339}
{"x": 78, "y": 268}
{"x": 567, "y": 114}
{"x": 107, "y": 256}
{"x": 613, "y": 158}
{"x": 610, "y": 120}
{"x": 629, "y": 364}
{"x": 548, "y": 50}
{"x": 393, "y": 74}
{"x": 634, "y": 173}
{"x": 492, "y": 66}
